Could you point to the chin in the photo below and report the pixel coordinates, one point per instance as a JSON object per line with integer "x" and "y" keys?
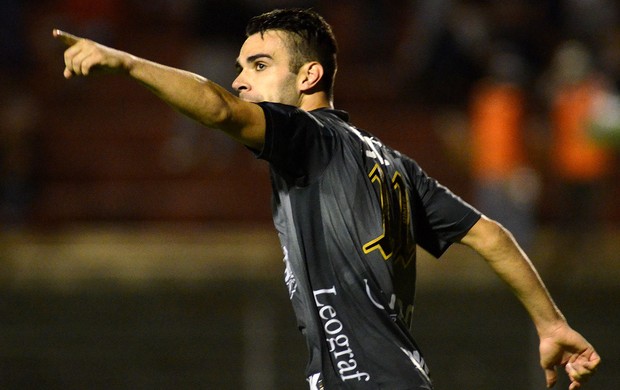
{"x": 251, "y": 99}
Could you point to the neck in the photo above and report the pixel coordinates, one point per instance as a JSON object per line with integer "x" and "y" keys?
{"x": 314, "y": 101}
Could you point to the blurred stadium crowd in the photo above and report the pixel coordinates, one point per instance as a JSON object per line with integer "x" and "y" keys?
{"x": 513, "y": 104}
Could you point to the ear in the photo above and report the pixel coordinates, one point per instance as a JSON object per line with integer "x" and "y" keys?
{"x": 309, "y": 76}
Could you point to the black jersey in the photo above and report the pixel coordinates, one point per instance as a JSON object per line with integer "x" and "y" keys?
{"x": 349, "y": 212}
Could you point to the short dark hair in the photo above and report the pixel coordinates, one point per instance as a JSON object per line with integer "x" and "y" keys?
{"x": 311, "y": 39}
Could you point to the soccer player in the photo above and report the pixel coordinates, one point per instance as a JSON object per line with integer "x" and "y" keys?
{"x": 349, "y": 210}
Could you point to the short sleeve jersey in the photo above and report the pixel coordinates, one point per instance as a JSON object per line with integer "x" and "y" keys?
{"x": 349, "y": 212}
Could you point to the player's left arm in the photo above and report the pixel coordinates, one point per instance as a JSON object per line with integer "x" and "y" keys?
{"x": 560, "y": 345}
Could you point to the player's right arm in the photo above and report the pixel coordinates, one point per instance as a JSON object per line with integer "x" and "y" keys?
{"x": 189, "y": 93}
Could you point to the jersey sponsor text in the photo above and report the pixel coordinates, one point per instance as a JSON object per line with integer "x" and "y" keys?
{"x": 338, "y": 341}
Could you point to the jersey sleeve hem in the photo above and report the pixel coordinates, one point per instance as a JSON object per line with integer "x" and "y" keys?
{"x": 466, "y": 223}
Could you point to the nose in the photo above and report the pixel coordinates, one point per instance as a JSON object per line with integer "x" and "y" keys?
{"x": 239, "y": 84}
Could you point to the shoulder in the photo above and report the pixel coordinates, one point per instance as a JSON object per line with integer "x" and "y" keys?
{"x": 294, "y": 125}
{"x": 322, "y": 116}
{"x": 283, "y": 111}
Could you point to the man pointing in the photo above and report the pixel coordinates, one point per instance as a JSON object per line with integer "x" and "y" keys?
{"x": 349, "y": 211}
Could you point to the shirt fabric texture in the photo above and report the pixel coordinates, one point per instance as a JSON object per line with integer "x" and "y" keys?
{"x": 349, "y": 212}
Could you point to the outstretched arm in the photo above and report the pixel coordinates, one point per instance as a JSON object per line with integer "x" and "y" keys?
{"x": 192, "y": 95}
{"x": 560, "y": 345}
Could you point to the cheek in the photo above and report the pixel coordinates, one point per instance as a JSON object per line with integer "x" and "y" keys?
{"x": 277, "y": 88}
{"x": 287, "y": 90}
{"x": 266, "y": 86}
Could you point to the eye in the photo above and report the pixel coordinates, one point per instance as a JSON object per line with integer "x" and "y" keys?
{"x": 260, "y": 66}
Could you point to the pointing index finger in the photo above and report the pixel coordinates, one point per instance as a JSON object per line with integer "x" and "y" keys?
{"x": 65, "y": 37}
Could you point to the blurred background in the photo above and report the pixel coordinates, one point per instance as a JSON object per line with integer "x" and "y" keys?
{"x": 136, "y": 248}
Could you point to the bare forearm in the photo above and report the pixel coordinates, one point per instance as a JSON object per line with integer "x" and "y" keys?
{"x": 559, "y": 344}
{"x": 511, "y": 264}
{"x": 202, "y": 100}
{"x": 189, "y": 93}
{"x": 193, "y": 95}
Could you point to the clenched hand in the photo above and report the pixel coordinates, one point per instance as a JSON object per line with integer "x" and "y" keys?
{"x": 565, "y": 347}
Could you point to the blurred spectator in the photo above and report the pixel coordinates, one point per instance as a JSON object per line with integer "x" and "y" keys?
{"x": 590, "y": 21}
{"x": 505, "y": 184}
{"x": 453, "y": 38}
{"x": 580, "y": 165}
{"x": 531, "y": 27}
{"x": 491, "y": 140}
{"x": 610, "y": 56}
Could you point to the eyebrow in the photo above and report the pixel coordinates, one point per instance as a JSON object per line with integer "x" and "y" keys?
{"x": 251, "y": 59}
